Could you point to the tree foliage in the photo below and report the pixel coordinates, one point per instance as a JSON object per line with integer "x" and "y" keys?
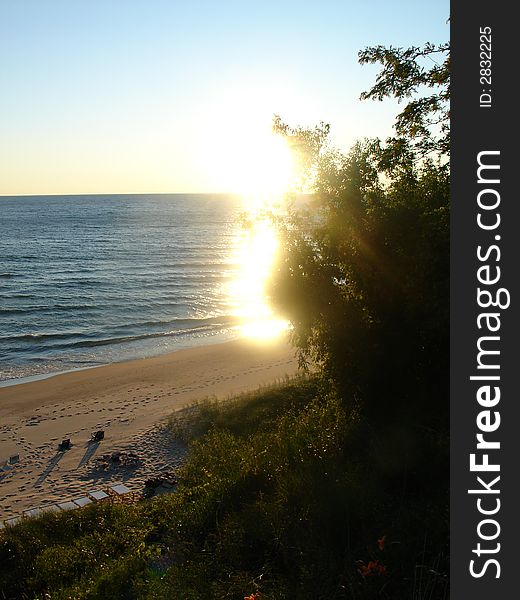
{"x": 421, "y": 76}
{"x": 363, "y": 274}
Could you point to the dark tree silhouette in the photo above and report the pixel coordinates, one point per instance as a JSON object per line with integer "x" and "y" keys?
{"x": 363, "y": 274}
{"x": 421, "y": 76}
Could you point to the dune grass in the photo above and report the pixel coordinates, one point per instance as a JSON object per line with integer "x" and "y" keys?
{"x": 285, "y": 494}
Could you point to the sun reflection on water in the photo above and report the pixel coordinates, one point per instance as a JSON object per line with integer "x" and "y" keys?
{"x": 256, "y": 252}
{"x": 264, "y": 171}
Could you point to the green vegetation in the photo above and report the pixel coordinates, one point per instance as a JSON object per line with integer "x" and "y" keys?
{"x": 283, "y": 493}
{"x": 421, "y": 75}
{"x": 364, "y": 270}
{"x": 330, "y": 486}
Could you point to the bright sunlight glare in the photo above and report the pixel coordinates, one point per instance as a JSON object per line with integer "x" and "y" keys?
{"x": 236, "y": 148}
{"x": 248, "y": 159}
{"x": 255, "y": 256}
{"x": 264, "y": 167}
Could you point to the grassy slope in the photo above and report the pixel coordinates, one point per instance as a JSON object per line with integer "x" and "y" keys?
{"x": 284, "y": 494}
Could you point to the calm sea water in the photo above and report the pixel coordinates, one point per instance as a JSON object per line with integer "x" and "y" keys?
{"x": 88, "y": 280}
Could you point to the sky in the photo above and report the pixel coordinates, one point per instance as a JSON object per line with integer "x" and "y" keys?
{"x": 170, "y": 96}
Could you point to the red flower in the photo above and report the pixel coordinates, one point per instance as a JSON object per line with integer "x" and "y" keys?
{"x": 381, "y": 542}
{"x": 374, "y": 567}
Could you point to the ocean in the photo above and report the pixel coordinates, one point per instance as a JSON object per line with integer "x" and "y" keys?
{"x": 90, "y": 280}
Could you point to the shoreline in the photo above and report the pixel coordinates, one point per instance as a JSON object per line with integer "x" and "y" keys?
{"x": 128, "y": 400}
{"x": 208, "y": 341}
{"x": 33, "y": 378}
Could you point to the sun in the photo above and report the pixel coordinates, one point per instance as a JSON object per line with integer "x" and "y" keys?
{"x": 245, "y": 157}
{"x": 257, "y": 164}
{"x": 264, "y": 166}
{"x": 236, "y": 147}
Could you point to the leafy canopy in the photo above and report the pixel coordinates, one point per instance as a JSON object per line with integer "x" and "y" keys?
{"x": 422, "y": 77}
{"x": 363, "y": 274}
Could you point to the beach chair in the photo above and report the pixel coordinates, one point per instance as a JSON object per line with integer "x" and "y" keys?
{"x": 7, "y": 465}
{"x": 97, "y": 436}
{"x": 50, "y": 508}
{"x": 98, "y": 495}
{"x": 67, "y": 505}
{"x": 120, "y": 489}
{"x": 32, "y": 512}
{"x": 64, "y": 445}
{"x": 83, "y": 501}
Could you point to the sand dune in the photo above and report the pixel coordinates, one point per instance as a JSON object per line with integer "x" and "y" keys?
{"x": 128, "y": 401}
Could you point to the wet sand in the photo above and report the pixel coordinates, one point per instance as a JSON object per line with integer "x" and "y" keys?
{"x": 130, "y": 402}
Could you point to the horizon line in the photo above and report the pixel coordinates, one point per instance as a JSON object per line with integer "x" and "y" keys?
{"x": 124, "y": 194}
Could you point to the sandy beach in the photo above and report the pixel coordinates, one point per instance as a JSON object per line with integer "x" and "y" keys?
{"x": 130, "y": 402}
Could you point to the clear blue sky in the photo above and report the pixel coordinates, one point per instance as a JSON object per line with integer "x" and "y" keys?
{"x": 127, "y": 96}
